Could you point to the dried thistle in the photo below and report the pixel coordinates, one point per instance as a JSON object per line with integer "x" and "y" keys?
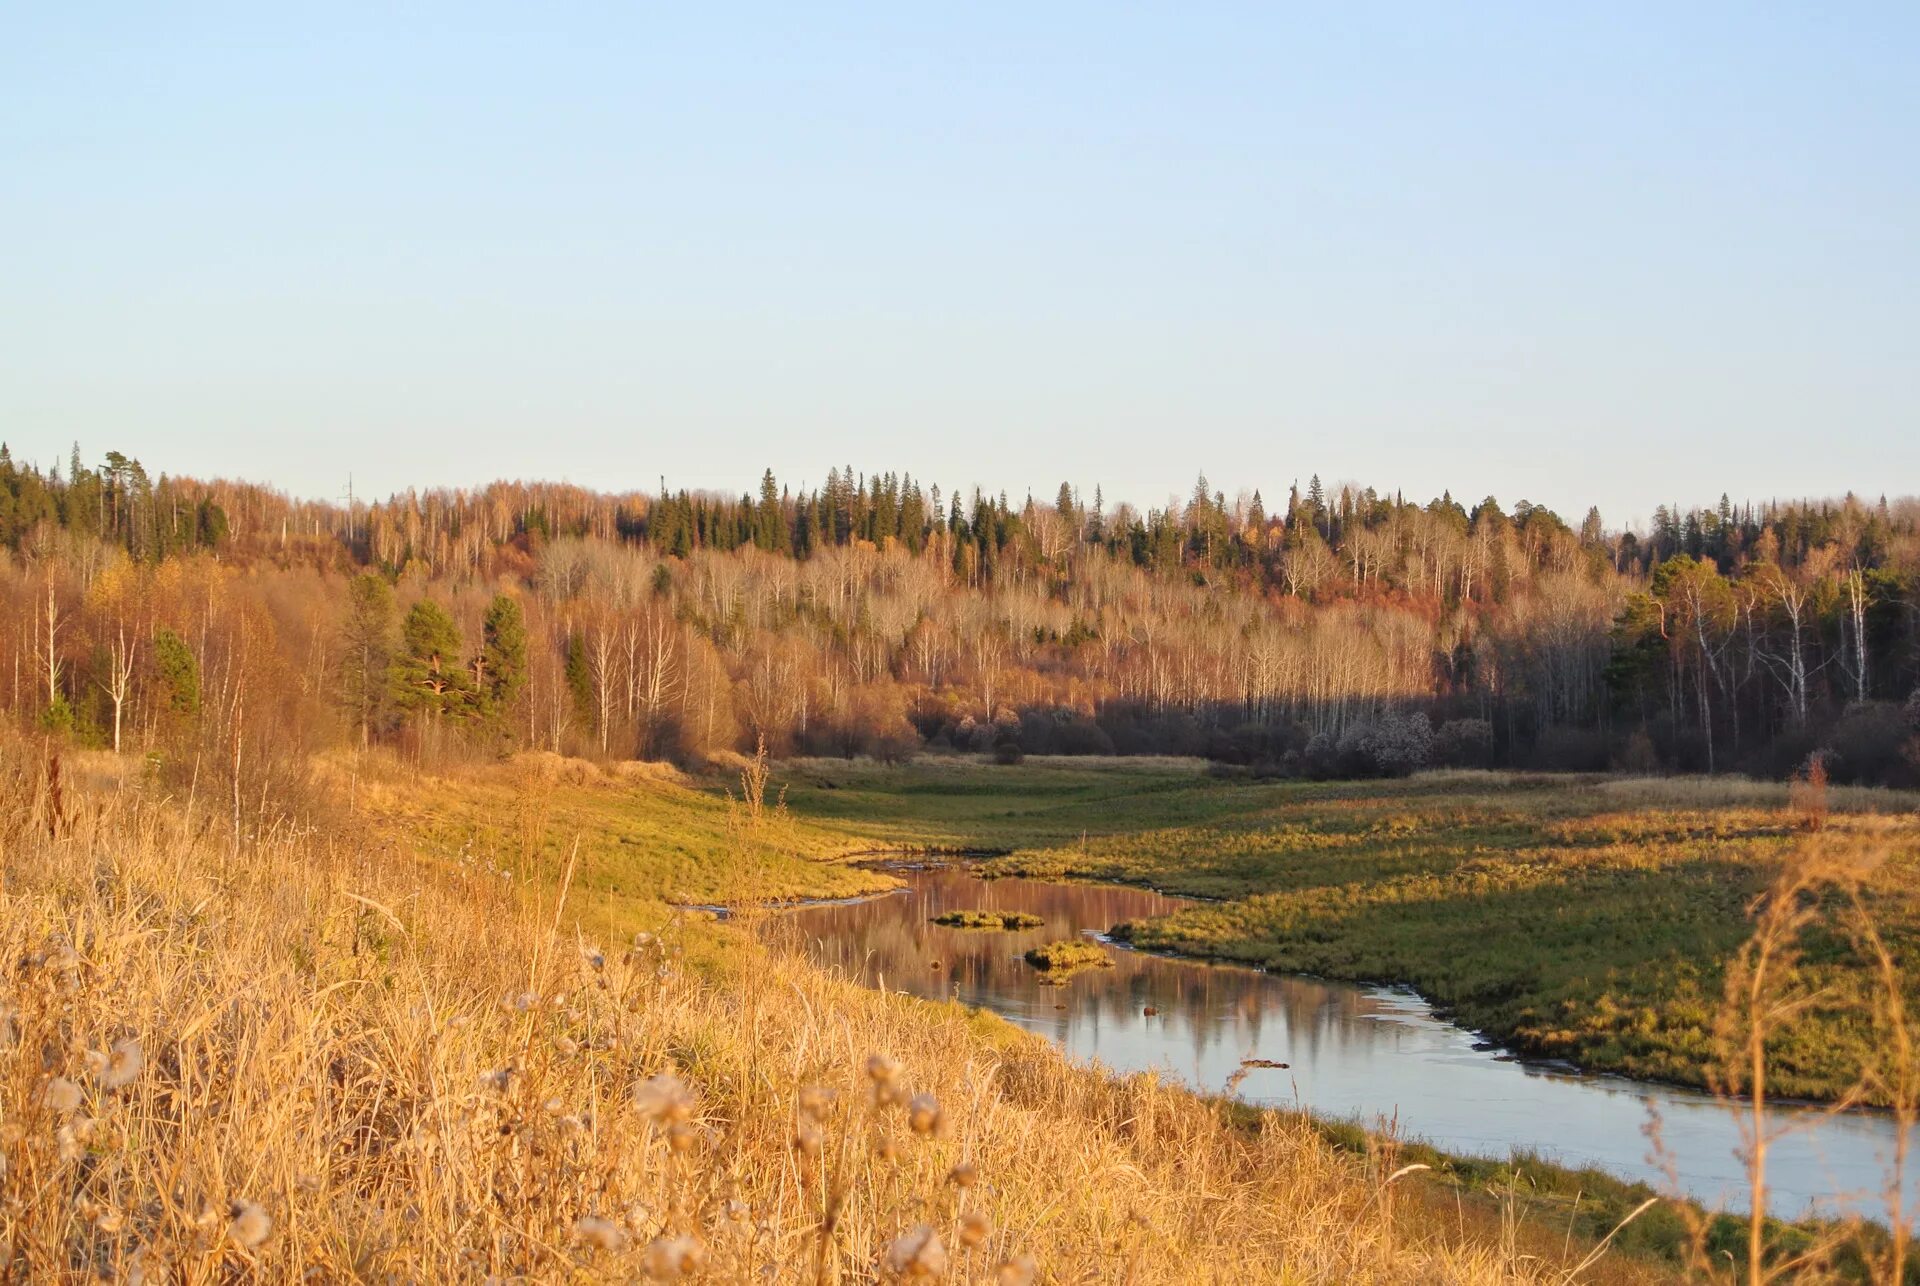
{"x": 248, "y": 1224}
{"x": 664, "y": 1099}
{"x": 916, "y": 1255}
{"x": 1017, "y": 1271}
{"x": 669, "y": 1259}
{"x": 923, "y": 1114}
{"x": 62, "y": 1095}
{"x": 600, "y": 1234}
{"x": 118, "y": 1066}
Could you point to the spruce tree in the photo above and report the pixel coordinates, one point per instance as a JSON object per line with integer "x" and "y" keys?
{"x": 500, "y": 669}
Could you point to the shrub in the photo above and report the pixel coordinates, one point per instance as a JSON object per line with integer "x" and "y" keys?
{"x": 1563, "y": 749}
{"x": 1008, "y": 752}
{"x": 1869, "y": 745}
{"x": 1392, "y": 745}
{"x": 1464, "y": 743}
{"x": 1638, "y": 755}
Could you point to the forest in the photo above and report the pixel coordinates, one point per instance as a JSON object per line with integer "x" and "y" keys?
{"x": 1336, "y": 632}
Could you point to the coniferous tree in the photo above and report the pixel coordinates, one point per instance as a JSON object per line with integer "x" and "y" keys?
{"x": 500, "y": 668}
{"x": 176, "y": 675}
{"x": 367, "y": 635}
{"x": 427, "y": 674}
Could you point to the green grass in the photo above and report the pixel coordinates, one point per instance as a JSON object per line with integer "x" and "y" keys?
{"x": 648, "y": 840}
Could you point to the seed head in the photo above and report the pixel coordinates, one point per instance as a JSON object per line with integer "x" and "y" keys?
{"x": 963, "y": 1175}
{"x": 682, "y": 1135}
{"x": 1018, "y": 1271}
{"x": 924, "y": 1115}
{"x": 118, "y": 1066}
{"x": 668, "y": 1259}
{"x": 974, "y": 1228}
{"x": 917, "y": 1255}
{"x": 664, "y": 1098}
{"x": 816, "y": 1101}
{"x": 62, "y": 1095}
{"x": 807, "y": 1139}
{"x": 593, "y": 958}
{"x": 496, "y": 1080}
{"x": 882, "y": 1070}
{"x": 600, "y": 1234}
{"x": 249, "y": 1224}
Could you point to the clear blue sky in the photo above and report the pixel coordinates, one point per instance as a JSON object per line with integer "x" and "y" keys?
{"x": 1631, "y": 254}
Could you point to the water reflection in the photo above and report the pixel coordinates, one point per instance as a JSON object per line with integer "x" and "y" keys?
{"x": 1365, "y": 1053}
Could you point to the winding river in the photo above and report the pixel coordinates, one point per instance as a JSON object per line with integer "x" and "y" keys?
{"x": 1362, "y": 1053}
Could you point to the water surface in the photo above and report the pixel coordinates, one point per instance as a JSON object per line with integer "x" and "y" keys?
{"x": 1356, "y": 1052}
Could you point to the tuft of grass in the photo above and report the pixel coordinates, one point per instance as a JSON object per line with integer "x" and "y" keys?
{"x": 1069, "y": 954}
{"x": 1009, "y": 920}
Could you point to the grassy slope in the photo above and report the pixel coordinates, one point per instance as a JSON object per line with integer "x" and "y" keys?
{"x": 647, "y": 837}
{"x": 1575, "y": 917}
{"x": 416, "y": 1079}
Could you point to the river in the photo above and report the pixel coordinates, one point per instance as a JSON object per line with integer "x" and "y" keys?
{"x": 1362, "y": 1053}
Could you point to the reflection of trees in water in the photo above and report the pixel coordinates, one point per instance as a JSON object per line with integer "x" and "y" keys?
{"x": 1209, "y": 1009}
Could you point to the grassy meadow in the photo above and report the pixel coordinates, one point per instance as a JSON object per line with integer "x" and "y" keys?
{"x": 316, "y": 1050}
{"x": 1582, "y": 918}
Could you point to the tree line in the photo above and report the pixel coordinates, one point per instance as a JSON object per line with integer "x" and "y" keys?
{"x": 1342, "y": 630}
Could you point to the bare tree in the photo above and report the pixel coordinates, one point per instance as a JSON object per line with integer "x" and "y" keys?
{"x": 119, "y": 681}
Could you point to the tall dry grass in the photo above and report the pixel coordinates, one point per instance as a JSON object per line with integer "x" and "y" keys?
{"x": 297, "y": 1056}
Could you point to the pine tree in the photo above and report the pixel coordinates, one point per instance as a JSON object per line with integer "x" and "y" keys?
{"x": 427, "y": 674}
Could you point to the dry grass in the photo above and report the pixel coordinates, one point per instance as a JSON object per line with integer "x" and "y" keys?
{"x": 1744, "y": 792}
{"x": 296, "y": 1056}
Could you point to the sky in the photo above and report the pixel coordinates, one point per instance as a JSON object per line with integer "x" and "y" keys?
{"x": 1617, "y": 254}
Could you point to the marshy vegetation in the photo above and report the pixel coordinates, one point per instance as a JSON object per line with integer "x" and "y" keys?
{"x": 1068, "y": 956}
{"x": 1003, "y": 920}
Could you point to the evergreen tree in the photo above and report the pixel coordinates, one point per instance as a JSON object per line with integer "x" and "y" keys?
{"x": 176, "y": 674}
{"x": 427, "y": 674}
{"x": 367, "y": 635}
{"x": 500, "y": 669}
{"x": 579, "y": 676}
